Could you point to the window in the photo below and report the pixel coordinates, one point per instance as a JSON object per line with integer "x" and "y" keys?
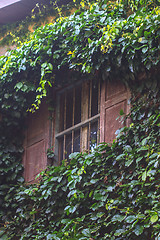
{"x": 78, "y": 119}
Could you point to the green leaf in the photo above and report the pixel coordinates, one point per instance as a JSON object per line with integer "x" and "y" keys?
{"x": 119, "y": 232}
{"x": 121, "y": 112}
{"x": 154, "y": 218}
{"x": 145, "y": 49}
{"x": 144, "y": 176}
{"x": 89, "y": 40}
{"x": 128, "y": 148}
{"x": 138, "y": 230}
{"x": 144, "y": 141}
{"x": 128, "y": 163}
{"x": 50, "y": 66}
{"x": 130, "y": 218}
{"x": 154, "y": 155}
{"x": 19, "y": 85}
{"x": 139, "y": 159}
{"x": 86, "y": 232}
{"x": 3, "y": 235}
{"x": 118, "y": 218}
{"x": 121, "y": 156}
{"x": 90, "y": 194}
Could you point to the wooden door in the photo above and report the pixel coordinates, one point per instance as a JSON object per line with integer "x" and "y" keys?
{"x": 36, "y": 143}
{"x": 114, "y": 97}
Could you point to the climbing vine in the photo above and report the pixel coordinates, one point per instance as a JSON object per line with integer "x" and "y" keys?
{"x": 120, "y": 200}
{"x": 98, "y": 39}
{"x": 110, "y": 193}
{"x": 41, "y": 14}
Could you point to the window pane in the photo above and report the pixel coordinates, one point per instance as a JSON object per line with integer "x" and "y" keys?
{"x": 68, "y": 149}
{"x": 77, "y": 111}
{"x": 62, "y": 104}
{"x": 85, "y": 137}
{"x": 93, "y": 136}
{"x": 94, "y": 107}
{"x": 61, "y": 150}
{"x": 83, "y": 100}
{"x": 76, "y": 142}
{"x": 69, "y": 109}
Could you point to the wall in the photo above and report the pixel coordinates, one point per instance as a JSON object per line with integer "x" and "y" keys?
{"x": 4, "y": 49}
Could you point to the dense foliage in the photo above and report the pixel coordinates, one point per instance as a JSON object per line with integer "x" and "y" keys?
{"x": 83, "y": 200}
{"x": 110, "y": 193}
{"x": 101, "y": 38}
{"x": 41, "y": 14}
{"x": 15, "y": 32}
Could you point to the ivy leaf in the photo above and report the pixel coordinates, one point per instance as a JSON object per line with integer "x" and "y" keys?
{"x": 86, "y": 232}
{"x": 121, "y": 156}
{"x": 154, "y": 218}
{"x": 121, "y": 112}
{"x": 144, "y": 176}
{"x": 52, "y": 236}
{"x": 145, "y": 49}
{"x": 128, "y": 148}
{"x": 118, "y": 218}
{"x": 119, "y": 232}
{"x": 19, "y": 85}
{"x": 138, "y": 230}
{"x": 89, "y": 40}
{"x": 128, "y": 163}
{"x": 130, "y": 219}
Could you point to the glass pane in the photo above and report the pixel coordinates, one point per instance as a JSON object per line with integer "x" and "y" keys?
{"x": 93, "y": 136}
{"x": 94, "y": 106}
{"x": 61, "y": 124}
{"x": 76, "y": 142}
{"x": 77, "y": 111}
{"x": 61, "y": 142}
{"x": 69, "y": 109}
{"x": 68, "y": 149}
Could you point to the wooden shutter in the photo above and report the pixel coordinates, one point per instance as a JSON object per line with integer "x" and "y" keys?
{"x": 36, "y": 143}
{"x": 114, "y": 97}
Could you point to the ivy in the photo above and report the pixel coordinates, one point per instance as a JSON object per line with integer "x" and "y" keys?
{"x": 110, "y": 193}
{"x": 83, "y": 200}
{"x": 98, "y": 39}
{"x": 17, "y": 32}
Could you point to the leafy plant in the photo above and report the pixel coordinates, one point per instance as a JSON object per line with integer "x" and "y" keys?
{"x": 112, "y": 193}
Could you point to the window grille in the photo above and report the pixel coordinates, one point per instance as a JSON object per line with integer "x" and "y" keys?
{"x": 79, "y": 116}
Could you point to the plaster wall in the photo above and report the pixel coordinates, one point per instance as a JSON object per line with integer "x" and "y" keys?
{"x": 4, "y": 49}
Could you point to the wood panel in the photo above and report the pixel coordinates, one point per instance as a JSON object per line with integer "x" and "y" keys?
{"x": 35, "y": 160}
{"x": 36, "y": 143}
{"x": 114, "y": 97}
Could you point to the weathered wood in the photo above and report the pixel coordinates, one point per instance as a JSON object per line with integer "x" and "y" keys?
{"x": 78, "y": 126}
{"x": 83, "y": 121}
{"x": 114, "y": 97}
{"x": 84, "y": 113}
{"x": 36, "y": 143}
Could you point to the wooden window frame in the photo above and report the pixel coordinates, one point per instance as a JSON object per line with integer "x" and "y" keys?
{"x": 81, "y": 125}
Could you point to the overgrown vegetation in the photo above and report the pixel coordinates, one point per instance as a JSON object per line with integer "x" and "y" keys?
{"x": 41, "y": 14}
{"x": 101, "y": 39}
{"x": 111, "y": 193}
{"x": 83, "y": 199}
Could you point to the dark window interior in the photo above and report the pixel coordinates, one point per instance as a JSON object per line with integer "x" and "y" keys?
{"x": 69, "y": 109}
{"x": 71, "y": 126}
{"x": 77, "y": 111}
